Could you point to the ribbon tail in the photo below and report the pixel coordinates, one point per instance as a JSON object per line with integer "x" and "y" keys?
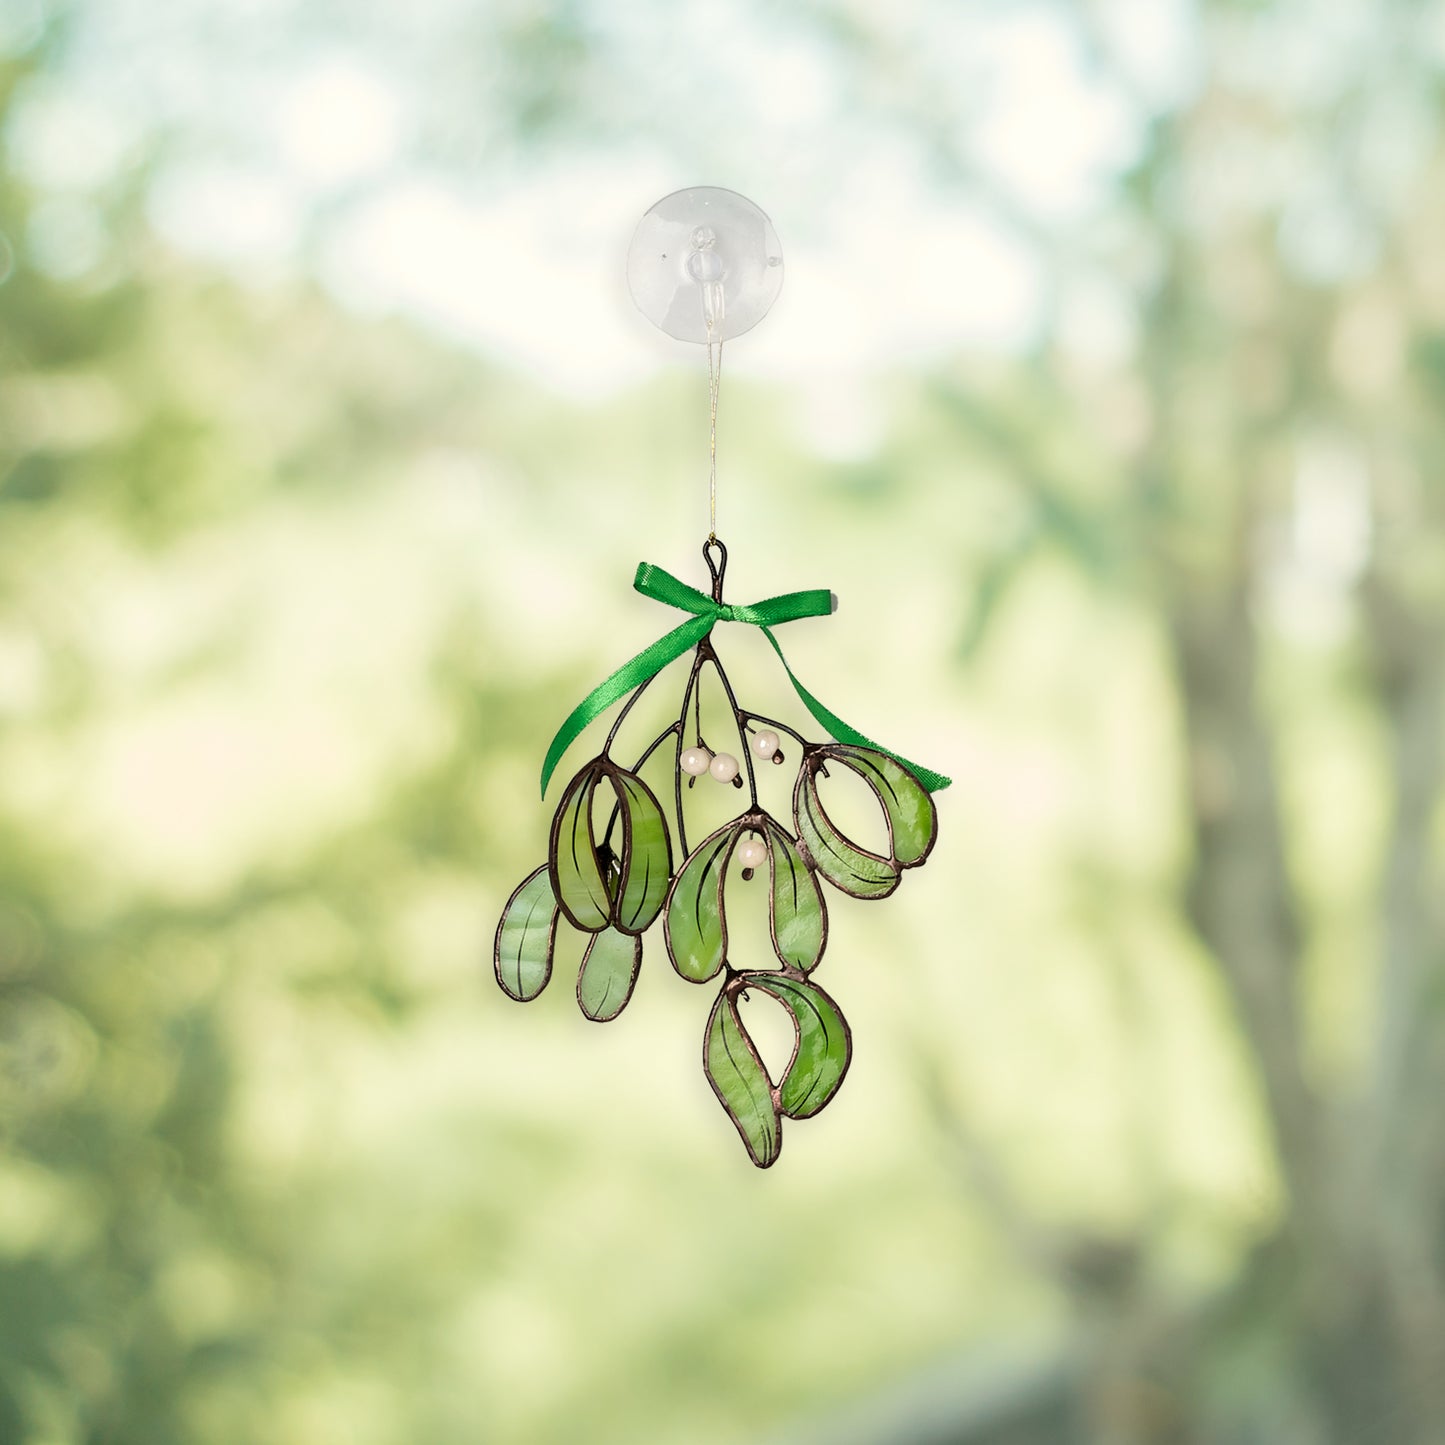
{"x": 647, "y": 664}
{"x": 839, "y": 730}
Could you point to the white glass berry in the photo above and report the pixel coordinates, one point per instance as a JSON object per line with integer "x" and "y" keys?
{"x": 724, "y": 767}
{"x": 695, "y": 761}
{"x": 765, "y": 743}
{"x": 752, "y": 852}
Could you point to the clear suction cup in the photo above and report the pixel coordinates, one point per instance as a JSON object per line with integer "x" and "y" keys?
{"x": 705, "y": 254}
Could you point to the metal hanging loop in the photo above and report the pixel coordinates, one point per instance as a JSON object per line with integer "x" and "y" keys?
{"x": 715, "y": 568}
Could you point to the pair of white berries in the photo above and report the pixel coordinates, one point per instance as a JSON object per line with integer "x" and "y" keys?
{"x": 723, "y": 766}
{"x": 697, "y": 761}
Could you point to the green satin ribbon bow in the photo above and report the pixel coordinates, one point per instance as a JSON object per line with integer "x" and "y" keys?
{"x": 662, "y": 586}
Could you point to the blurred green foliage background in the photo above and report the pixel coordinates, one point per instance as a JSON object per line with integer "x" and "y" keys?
{"x": 1106, "y": 389}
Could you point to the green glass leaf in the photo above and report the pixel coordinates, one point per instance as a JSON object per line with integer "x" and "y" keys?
{"x": 575, "y": 868}
{"x": 735, "y": 1071}
{"x": 646, "y": 865}
{"x": 796, "y": 912}
{"x": 608, "y": 974}
{"x": 824, "y": 1046}
{"x": 846, "y": 866}
{"x": 912, "y": 816}
{"x": 522, "y": 954}
{"x": 695, "y": 926}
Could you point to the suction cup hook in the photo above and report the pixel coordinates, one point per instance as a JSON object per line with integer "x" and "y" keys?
{"x": 705, "y": 254}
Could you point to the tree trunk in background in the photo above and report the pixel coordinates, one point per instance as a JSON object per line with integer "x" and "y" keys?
{"x": 1353, "y": 1279}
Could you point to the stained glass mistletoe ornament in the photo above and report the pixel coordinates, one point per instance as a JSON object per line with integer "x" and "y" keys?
{"x": 611, "y": 870}
{"x": 705, "y": 266}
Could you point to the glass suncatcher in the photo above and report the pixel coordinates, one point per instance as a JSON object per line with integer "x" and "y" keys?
{"x": 612, "y": 871}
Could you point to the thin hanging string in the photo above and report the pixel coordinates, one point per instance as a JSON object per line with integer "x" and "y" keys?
{"x": 714, "y": 381}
